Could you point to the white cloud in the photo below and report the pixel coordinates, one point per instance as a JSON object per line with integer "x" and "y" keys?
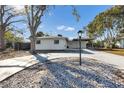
{"x": 70, "y": 29}
{"x": 70, "y": 38}
{"x": 65, "y": 28}
{"x": 41, "y": 26}
{"x": 62, "y": 27}
{"x": 18, "y": 7}
{"x": 50, "y": 13}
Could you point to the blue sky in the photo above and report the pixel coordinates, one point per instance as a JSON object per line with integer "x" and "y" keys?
{"x": 59, "y": 20}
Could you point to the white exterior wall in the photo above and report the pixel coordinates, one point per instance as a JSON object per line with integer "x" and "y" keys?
{"x": 75, "y": 44}
{"x": 48, "y": 44}
{"x": 122, "y": 43}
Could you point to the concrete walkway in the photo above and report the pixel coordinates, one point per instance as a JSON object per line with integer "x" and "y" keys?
{"x": 115, "y": 60}
{"x": 11, "y": 66}
{"x": 108, "y": 58}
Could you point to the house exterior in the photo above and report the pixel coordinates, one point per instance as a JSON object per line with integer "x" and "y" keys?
{"x": 58, "y": 43}
{"x": 74, "y": 44}
{"x": 51, "y": 43}
{"x": 120, "y": 39}
{"x": 120, "y": 42}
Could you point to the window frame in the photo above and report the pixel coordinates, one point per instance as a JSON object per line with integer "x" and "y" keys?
{"x": 56, "y": 42}
{"x": 38, "y": 42}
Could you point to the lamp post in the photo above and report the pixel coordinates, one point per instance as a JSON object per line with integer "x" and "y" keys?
{"x": 80, "y": 34}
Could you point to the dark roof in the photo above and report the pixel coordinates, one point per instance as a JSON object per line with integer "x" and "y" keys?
{"x": 83, "y": 39}
{"x": 52, "y": 37}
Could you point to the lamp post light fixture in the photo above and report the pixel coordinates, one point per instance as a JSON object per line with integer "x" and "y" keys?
{"x": 80, "y": 34}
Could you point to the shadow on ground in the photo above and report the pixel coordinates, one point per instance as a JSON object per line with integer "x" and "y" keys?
{"x": 64, "y": 51}
{"x": 68, "y": 74}
{"x": 65, "y": 73}
{"x": 11, "y": 66}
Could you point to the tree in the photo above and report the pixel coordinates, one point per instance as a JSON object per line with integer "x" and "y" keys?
{"x": 40, "y": 34}
{"x": 33, "y": 15}
{"x": 7, "y": 15}
{"x": 11, "y": 38}
{"x": 107, "y": 25}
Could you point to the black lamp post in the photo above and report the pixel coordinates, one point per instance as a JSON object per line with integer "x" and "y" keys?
{"x": 80, "y": 34}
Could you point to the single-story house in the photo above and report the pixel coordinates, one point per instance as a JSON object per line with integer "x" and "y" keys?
{"x": 51, "y": 43}
{"x": 120, "y": 42}
{"x": 74, "y": 44}
{"x": 120, "y": 39}
{"x": 58, "y": 43}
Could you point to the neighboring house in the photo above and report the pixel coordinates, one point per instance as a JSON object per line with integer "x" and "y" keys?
{"x": 120, "y": 39}
{"x": 120, "y": 42}
{"x": 58, "y": 43}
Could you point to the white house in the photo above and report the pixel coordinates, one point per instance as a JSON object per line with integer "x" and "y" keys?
{"x": 74, "y": 44}
{"x": 120, "y": 43}
{"x": 58, "y": 43}
{"x": 51, "y": 43}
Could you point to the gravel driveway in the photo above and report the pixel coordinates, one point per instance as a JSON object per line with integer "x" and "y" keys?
{"x": 66, "y": 73}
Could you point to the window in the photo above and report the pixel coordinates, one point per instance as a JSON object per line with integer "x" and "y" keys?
{"x": 56, "y": 41}
{"x": 38, "y": 42}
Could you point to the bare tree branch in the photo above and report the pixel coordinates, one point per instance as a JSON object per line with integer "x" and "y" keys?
{"x": 13, "y": 22}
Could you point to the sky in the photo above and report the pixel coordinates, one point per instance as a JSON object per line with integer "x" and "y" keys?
{"x": 59, "y": 20}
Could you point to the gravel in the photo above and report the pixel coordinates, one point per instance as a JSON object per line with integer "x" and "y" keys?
{"x": 66, "y": 73}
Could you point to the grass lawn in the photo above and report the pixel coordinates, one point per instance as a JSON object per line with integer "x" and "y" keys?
{"x": 113, "y": 51}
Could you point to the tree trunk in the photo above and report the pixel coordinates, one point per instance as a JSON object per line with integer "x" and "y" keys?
{"x": 33, "y": 45}
{"x": 2, "y": 44}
